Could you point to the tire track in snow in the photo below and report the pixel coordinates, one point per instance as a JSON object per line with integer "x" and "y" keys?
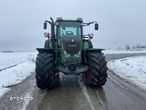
{"x": 11, "y": 66}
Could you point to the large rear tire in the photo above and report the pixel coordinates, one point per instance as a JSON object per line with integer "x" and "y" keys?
{"x": 46, "y": 77}
{"x": 96, "y": 75}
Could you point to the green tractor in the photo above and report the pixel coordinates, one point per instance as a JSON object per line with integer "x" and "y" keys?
{"x": 69, "y": 51}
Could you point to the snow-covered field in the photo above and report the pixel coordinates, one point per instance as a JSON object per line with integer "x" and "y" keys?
{"x": 14, "y": 68}
{"x": 122, "y": 51}
{"x": 11, "y": 59}
{"x": 132, "y": 69}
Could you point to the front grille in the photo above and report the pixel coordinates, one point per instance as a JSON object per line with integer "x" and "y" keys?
{"x": 72, "y": 45}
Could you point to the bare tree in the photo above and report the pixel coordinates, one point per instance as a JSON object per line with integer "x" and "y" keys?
{"x": 127, "y": 47}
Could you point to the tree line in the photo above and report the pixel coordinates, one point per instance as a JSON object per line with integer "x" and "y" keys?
{"x": 135, "y": 47}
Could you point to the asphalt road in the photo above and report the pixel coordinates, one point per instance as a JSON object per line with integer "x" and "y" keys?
{"x": 72, "y": 94}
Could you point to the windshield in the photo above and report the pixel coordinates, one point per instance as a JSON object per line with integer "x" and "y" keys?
{"x": 69, "y": 29}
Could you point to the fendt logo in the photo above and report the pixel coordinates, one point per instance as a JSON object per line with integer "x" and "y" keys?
{"x": 72, "y": 40}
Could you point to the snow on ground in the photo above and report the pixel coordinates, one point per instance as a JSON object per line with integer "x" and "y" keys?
{"x": 122, "y": 51}
{"x": 15, "y": 67}
{"x": 11, "y": 59}
{"x": 132, "y": 69}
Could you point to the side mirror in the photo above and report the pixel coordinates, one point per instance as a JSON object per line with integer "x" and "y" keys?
{"x": 96, "y": 26}
{"x": 45, "y": 25}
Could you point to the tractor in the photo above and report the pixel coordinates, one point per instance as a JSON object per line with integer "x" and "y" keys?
{"x": 67, "y": 50}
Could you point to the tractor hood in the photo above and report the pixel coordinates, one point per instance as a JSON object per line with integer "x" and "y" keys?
{"x": 72, "y": 44}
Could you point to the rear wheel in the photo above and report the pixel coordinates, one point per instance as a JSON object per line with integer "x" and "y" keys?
{"x": 46, "y": 77}
{"x": 97, "y": 73}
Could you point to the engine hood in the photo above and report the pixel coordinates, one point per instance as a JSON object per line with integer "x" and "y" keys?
{"x": 72, "y": 44}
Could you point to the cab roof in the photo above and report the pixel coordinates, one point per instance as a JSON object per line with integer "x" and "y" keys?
{"x": 59, "y": 19}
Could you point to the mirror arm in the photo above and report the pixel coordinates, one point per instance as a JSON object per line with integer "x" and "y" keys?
{"x": 86, "y": 24}
{"x": 48, "y": 21}
{"x": 52, "y": 20}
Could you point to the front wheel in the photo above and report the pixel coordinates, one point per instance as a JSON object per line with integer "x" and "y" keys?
{"x": 46, "y": 77}
{"x": 96, "y": 75}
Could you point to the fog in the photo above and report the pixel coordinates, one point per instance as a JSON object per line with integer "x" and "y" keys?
{"x": 120, "y": 22}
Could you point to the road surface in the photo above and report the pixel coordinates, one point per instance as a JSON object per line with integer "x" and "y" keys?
{"x": 72, "y": 94}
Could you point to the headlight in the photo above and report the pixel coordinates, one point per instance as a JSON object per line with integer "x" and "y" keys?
{"x": 66, "y": 54}
{"x": 78, "y": 54}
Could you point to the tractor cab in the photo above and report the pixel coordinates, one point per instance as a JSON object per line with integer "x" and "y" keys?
{"x": 69, "y": 28}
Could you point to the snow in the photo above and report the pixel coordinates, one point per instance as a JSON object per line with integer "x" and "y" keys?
{"x": 15, "y": 67}
{"x": 11, "y": 59}
{"x": 3, "y": 91}
{"x": 122, "y": 51}
{"x": 132, "y": 69}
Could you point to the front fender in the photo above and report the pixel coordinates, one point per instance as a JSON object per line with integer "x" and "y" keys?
{"x": 94, "y": 50}
{"x": 46, "y": 50}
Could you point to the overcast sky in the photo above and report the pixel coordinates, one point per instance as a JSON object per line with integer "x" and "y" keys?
{"x": 121, "y": 21}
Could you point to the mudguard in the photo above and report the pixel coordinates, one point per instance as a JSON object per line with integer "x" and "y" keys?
{"x": 46, "y": 50}
{"x": 94, "y": 50}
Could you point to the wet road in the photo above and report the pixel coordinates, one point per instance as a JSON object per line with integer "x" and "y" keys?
{"x": 72, "y": 94}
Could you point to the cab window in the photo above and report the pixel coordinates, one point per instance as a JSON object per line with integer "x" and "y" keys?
{"x": 69, "y": 29}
